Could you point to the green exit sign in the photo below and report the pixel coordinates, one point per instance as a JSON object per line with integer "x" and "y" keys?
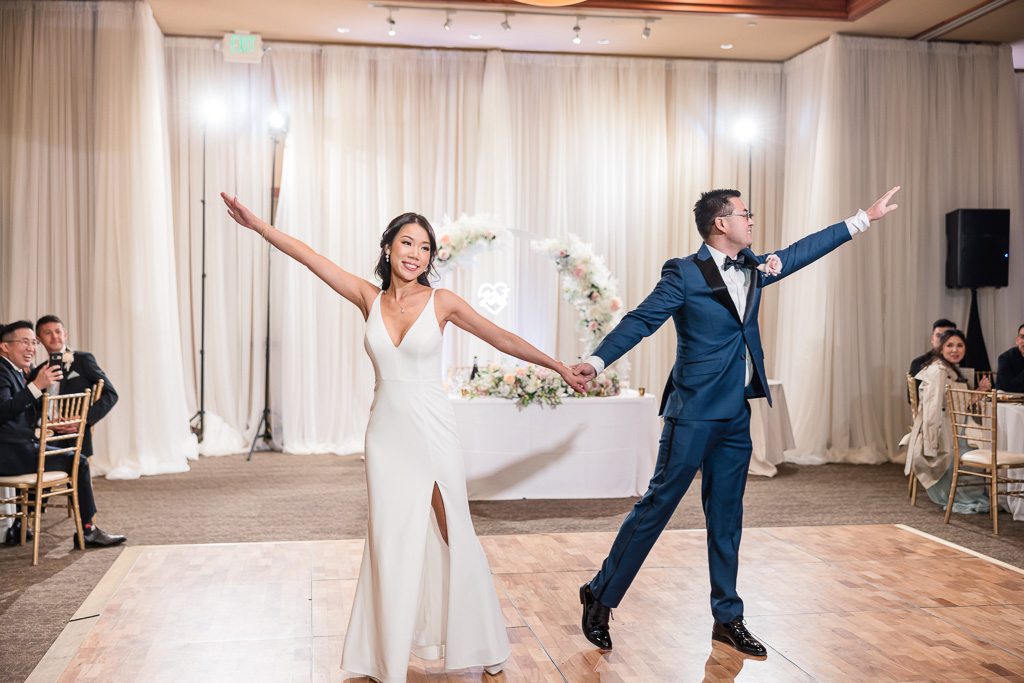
{"x": 242, "y": 47}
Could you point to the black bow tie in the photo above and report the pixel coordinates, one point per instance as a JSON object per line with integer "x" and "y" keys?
{"x": 737, "y": 262}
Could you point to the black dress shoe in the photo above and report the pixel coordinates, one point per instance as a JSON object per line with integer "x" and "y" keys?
{"x": 96, "y": 537}
{"x": 595, "y": 619}
{"x": 735, "y": 633}
{"x": 14, "y": 534}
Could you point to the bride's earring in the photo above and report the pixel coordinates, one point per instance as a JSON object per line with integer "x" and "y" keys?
{"x": 387, "y": 257}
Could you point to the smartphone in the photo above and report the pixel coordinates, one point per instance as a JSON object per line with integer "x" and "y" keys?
{"x": 56, "y": 358}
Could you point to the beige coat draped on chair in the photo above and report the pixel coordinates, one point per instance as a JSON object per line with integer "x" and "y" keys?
{"x": 931, "y": 438}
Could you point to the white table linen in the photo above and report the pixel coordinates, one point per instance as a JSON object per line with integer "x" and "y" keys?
{"x": 583, "y": 448}
{"x": 1011, "y": 438}
{"x": 771, "y": 432}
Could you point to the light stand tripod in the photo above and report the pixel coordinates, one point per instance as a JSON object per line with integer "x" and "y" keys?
{"x": 197, "y": 426}
{"x": 278, "y": 127}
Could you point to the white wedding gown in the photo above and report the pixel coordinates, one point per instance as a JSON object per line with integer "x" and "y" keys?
{"x": 414, "y": 592}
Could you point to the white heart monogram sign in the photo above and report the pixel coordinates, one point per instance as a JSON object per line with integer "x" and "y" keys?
{"x": 493, "y": 296}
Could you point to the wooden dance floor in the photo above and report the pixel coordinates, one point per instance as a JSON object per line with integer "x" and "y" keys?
{"x": 860, "y": 603}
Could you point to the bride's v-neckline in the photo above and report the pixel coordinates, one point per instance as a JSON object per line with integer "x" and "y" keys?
{"x": 380, "y": 312}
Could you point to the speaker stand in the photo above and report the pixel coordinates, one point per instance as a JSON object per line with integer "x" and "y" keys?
{"x": 976, "y": 355}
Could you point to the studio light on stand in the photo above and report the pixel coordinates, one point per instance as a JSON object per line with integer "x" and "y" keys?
{"x": 746, "y": 131}
{"x": 213, "y": 113}
{"x": 278, "y": 125}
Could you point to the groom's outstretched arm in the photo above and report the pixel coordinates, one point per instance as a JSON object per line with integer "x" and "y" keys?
{"x": 809, "y": 249}
{"x": 644, "y": 320}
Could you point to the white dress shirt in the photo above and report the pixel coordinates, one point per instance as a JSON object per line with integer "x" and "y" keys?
{"x": 737, "y": 281}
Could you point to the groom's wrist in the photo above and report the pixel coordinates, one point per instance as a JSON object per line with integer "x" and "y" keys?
{"x": 596, "y": 363}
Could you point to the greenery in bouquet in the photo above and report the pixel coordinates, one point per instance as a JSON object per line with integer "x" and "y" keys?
{"x": 524, "y": 384}
{"x": 458, "y": 241}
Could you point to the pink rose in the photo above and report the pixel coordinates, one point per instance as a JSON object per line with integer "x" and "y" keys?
{"x": 443, "y": 254}
{"x": 489, "y": 235}
{"x": 578, "y": 271}
{"x": 520, "y": 371}
{"x": 561, "y": 254}
{"x": 592, "y": 325}
{"x": 543, "y": 373}
{"x": 445, "y": 239}
{"x": 493, "y": 366}
{"x": 510, "y": 378}
{"x": 594, "y": 296}
{"x": 616, "y": 304}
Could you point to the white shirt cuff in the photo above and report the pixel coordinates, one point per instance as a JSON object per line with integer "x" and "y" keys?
{"x": 36, "y": 391}
{"x": 596, "y": 363}
{"x": 858, "y": 223}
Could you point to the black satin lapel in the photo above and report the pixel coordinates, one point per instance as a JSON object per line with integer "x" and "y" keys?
{"x": 713, "y": 277}
{"x": 751, "y": 261}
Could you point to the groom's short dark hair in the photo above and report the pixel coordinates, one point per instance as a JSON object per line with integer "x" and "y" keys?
{"x": 710, "y": 206}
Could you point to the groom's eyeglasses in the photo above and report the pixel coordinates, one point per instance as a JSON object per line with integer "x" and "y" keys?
{"x": 746, "y": 214}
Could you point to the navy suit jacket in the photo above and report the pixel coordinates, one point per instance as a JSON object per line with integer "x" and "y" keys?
{"x": 19, "y": 413}
{"x": 707, "y": 380}
{"x": 1010, "y": 375}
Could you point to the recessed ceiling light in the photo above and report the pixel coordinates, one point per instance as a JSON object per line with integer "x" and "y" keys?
{"x": 474, "y": 36}
{"x": 343, "y": 30}
{"x": 726, "y": 46}
{"x": 603, "y": 41}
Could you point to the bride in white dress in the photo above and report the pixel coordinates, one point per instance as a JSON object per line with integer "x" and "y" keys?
{"x": 424, "y": 583}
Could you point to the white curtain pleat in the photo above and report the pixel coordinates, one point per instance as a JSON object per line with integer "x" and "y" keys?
{"x": 135, "y": 300}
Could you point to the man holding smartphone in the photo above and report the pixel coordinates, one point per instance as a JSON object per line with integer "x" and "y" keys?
{"x": 81, "y": 372}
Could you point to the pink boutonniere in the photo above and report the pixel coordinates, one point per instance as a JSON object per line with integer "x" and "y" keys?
{"x": 771, "y": 266}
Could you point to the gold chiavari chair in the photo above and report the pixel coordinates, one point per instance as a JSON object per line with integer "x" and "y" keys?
{"x": 979, "y": 374}
{"x": 974, "y": 418}
{"x": 912, "y": 392}
{"x": 59, "y": 413}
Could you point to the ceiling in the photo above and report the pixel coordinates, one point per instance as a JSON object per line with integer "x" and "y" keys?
{"x": 756, "y": 29}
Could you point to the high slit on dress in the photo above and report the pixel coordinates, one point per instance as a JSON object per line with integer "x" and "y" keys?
{"x": 403, "y": 602}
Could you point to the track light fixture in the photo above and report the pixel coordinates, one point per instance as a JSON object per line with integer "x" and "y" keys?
{"x": 449, "y": 14}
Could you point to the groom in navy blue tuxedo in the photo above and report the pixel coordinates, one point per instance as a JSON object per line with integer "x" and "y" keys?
{"x": 713, "y": 297}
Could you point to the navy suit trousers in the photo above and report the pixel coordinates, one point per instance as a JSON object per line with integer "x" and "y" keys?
{"x": 720, "y": 449}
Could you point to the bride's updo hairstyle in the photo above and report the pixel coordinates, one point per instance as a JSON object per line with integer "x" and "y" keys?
{"x": 383, "y": 268}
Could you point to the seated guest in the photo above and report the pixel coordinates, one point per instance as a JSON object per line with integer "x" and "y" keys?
{"x": 81, "y": 372}
{"x": 931, "y": 450}
{"x": 20, "y": 402}
{"x": 1010, "y": 372}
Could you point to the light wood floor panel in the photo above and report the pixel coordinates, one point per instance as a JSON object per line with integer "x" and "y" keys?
{"x": 944, "y": 583}
{"x": 853, "y": 543}
{"x": 871, "y": 604}
{"x": 879, "y": 647}
{"x": 1001, "y": 625}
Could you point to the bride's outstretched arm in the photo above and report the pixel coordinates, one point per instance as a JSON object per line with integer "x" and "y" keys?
{"x": 458, "y": 312}
{"x": 355, "y": 289}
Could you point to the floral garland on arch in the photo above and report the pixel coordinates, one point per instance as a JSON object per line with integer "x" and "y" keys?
{"x": 459, "y": 241}
{"x": 588, "y": 285}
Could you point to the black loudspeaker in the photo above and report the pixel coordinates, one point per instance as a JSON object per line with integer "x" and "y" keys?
{"x": 978, "y": 248}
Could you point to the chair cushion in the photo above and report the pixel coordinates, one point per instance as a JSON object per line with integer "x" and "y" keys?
{"x": 29, "y": 479}
{"x": 984, "y": 457}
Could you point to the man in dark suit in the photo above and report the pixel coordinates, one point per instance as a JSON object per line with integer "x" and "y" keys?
{"x": 19, "y": 416}
{"x": 713, "y": 297}
{"x": 81, "y": 372}
{"x": 1010, "y": 375}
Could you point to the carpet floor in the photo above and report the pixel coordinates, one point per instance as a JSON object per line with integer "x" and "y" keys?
{"x": 279, "y": 497}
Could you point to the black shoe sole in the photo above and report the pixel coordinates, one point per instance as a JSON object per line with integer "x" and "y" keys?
{"x": 728, "y": 641}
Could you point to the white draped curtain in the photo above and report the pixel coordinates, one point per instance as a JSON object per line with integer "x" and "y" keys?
{"x": 85, "y": 211}
{"x": 864, "y": 115}
{"x": 101, "y": 220}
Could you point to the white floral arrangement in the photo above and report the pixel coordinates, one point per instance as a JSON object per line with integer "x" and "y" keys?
{"x": 588, "y": 285}
{"x": 524, "y": 384}
{"x": 460, "y": 240}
